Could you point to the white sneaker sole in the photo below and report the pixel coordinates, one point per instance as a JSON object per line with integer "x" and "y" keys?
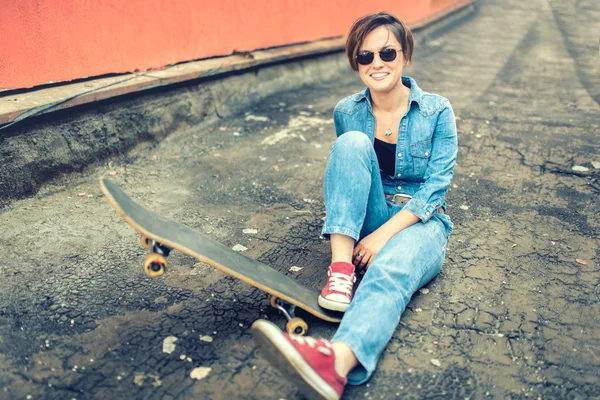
{"x": 332, "y": 305}
{"x": 284, "y": 356}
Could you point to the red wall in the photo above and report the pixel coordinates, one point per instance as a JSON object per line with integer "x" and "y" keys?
{"x": 45, "y": 41}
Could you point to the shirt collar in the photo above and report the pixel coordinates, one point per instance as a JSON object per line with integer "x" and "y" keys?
{"x": 416, "y": 93}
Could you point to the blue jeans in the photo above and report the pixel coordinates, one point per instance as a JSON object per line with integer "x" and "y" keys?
{"x": 356, "y": 206}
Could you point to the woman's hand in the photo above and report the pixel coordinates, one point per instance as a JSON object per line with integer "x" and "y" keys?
{"x": 367, "y": 248}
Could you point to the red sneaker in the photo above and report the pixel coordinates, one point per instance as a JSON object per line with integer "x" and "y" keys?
{"x": 337, "y": 293}
{"x": 307, "y": 362}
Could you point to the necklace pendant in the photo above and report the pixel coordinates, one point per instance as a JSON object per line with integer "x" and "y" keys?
{"x": 388, "y": 132}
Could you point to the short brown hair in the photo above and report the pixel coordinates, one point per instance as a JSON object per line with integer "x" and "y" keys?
{"x": 365, "y": 25}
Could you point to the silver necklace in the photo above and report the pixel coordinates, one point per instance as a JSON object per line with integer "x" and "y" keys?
{"x": 388, "y": 132}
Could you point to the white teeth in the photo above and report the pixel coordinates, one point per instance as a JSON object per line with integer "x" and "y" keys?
{"x": 380, "y": 75}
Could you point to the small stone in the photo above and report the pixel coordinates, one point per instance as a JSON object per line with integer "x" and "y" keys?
{"x": 418, "y": 310}
{"x": 139, "y": 379}
{"x": 82, "y": 194}
{"x": 112, "y": 173}
{"x": 206, "y": 338}
{"x": 596, "y": 164}
{"x": 580, "y": 261}
{"x": 200, "y": 373}
{"x": 464, "y": 207}
{"x": 169, "y": 344}
{"x": 424, "y": 291}
{"x": 579, "y": 168}
{"x": 295, "y": 269}
{"x": 256, "y": 118}
{"x": 250, "y": 231}
{"x": 182, "y": 357}
{"x": 239, "y": 247}
{"x": 436, "y": 362}
{"x": 157, "y": 382}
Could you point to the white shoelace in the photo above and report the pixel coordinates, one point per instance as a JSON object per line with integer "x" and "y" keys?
{"x": 312, "y": 342}
{"x": 341, "y": 282}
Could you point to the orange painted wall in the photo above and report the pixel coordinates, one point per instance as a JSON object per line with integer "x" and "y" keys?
{"x": 45, "y": 41}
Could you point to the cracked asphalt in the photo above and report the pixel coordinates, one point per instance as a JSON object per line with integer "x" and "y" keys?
{"x": 513, "y": 314}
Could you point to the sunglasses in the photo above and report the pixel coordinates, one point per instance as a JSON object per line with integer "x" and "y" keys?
{"x": 366, "y": 57}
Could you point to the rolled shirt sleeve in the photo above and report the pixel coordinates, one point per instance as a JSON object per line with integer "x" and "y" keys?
{"x": 440, "y": 168}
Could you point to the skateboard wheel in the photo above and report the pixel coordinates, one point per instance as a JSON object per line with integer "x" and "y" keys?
{"x": 155, "y": 265}
{"x": 144, "y": 242}
{"x": 273, "y": 301}
{"x": 296, "y": 326}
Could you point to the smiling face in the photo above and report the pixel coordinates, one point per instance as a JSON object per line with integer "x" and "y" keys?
{"x": 382, "y": 76}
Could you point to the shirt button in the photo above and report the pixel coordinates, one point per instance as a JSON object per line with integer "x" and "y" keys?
{"x": 400, "y": 155}
{"x": 399, "y": 174}
{"x": 426, "y": 154}
{"x": 427, "y": 213}
{"x": 399, "y": 187}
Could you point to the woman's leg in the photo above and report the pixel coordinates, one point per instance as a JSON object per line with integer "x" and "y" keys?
{"x": 353, "y": 192}
{"x": 355, "y": 203}
{"x": 407, "y": 262}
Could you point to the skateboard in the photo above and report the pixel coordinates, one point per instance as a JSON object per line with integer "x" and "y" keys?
{"x": 160, "y": 235}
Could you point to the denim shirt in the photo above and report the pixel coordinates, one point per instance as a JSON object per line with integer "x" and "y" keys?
{"x": 426, "y": 148}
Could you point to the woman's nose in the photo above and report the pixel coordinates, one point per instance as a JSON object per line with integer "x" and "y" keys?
{"x": 377, "y": 61}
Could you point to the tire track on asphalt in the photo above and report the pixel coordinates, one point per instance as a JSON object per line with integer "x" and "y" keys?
{"x": 583, "y": 48}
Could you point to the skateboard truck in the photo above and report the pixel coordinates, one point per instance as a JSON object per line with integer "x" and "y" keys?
{"x": 294, "y": 325}
{"x": 155, "y": 263}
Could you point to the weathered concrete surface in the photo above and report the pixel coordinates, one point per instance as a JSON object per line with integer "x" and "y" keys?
{"x": 512, "y": 315}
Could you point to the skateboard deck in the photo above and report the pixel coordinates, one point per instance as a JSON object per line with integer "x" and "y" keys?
{"x": 160, "y": 235}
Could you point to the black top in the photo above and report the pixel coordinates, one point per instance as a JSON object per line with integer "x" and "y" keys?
{"x": 386, "y": 155}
